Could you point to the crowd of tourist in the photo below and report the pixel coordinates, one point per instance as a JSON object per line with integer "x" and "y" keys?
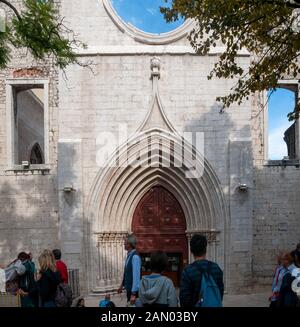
{"x": 43, "y": 287}
{"x": 201, "y": 282}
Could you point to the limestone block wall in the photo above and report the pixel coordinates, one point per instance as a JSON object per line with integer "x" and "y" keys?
{"x": 29, "y": 212}
{"x": 276, "y": 217}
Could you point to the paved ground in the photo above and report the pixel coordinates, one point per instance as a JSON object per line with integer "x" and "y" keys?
{"x": 247, "y": 300}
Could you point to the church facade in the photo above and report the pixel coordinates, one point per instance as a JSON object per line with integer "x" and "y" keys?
{"x": 133, "y": 141}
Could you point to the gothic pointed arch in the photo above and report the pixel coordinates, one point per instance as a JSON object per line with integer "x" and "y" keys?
{"x": 36, "y": 155}
{"x": 118, "y": 189}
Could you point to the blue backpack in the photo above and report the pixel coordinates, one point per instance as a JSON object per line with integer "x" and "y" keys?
{"x": 209, "y": 296}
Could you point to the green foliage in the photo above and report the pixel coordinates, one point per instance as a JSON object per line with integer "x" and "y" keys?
{"x": 268, "y": 29}
{"x": 39, "y": 28}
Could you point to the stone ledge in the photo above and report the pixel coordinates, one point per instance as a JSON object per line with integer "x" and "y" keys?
{"x": 33, "y": 169}
{"x": 282, "y": 163}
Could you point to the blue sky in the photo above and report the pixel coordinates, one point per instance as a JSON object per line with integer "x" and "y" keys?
{"x": 281, "y": 103}
{"x": 145, "y": 15}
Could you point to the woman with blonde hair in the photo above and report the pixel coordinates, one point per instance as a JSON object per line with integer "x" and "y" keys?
{"x": 47, "y": 281}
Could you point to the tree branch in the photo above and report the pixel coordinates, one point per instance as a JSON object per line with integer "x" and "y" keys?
{"x": 13, "y": 8}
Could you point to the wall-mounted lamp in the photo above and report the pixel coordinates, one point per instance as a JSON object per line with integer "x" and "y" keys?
{"x": 69, "y": 189}
{"x": 243, "y": 187}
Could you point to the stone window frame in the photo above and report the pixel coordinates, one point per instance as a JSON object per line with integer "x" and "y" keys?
{"x": 10, "y": 84}
{"x": 287, "y": 84}
{"x": 144, "y": 37}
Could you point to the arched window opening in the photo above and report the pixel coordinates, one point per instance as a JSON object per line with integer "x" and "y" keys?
{"x": 282, "y": 135}
{"x": 29, "y": 121}
{"x": 36, "y": 155}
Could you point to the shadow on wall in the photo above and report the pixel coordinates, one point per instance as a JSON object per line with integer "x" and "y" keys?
{"x": 28, "y": 215}
{"x": 221, "y": 136}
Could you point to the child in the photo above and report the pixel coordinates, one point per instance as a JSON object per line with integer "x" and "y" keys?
{"x": 106, "y": 303}
{"x": 157, "y": 290}
{"x": 80, "y": 303}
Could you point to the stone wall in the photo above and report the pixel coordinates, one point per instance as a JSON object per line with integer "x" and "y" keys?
{"x": 28, "y": 200}
{"x": 276, "y": 218}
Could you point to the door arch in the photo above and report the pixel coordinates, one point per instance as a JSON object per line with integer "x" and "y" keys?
{"x": 159, "y": 224}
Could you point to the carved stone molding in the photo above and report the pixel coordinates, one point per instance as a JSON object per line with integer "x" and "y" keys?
{"x": 110, "y": 237}
{"x": 211, "y": 235}
{"x": 155, "y": 67}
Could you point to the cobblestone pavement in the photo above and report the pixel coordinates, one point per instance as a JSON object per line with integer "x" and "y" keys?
{"x": 245, "y": 300}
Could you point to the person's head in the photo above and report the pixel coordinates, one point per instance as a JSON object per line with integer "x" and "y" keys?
{"x": 57, "y": 254}
{"x": 198, "y": 245}
{"x": 287, "y": 259}
{"x": 80, "y": 303}
{"x": 30, "y": 256}
{"x": 159, "y": 262}
{"x": 47, "y": 261}
{"x": 107, "y": 297}
{"x": 23, "y": 256}
{"x": 298, "y": 247}
{"x": 130, "y": 242}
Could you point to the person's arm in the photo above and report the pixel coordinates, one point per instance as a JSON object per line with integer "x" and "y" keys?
{"x": 186, "y": 291}
{"x": 136, "y": 272}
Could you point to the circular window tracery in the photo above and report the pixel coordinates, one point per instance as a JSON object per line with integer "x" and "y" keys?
{"x": 145, "y": 15}
{"x": 150, "y": 27}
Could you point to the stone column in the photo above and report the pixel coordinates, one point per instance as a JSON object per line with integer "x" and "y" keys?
{"x": 111, "y": 255}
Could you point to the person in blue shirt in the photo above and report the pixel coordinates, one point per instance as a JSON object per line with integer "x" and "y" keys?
{"x": 106, "y": 303}
{"x": 132, "y": 270}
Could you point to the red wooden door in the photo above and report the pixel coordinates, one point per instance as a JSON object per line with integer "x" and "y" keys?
{"x": 159, "y": 224}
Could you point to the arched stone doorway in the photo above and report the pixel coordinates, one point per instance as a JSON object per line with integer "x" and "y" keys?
{"x": 159, "y": 224}
{"x": 118, "y": 190}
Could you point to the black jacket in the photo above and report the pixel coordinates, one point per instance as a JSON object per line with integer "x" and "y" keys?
{"x": 191, "y": 281}
{"x": 46, "y": 286}
{"x": 287, "y": 298}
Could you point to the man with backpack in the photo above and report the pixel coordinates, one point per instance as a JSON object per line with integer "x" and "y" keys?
{"x": 202, "y": 281}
